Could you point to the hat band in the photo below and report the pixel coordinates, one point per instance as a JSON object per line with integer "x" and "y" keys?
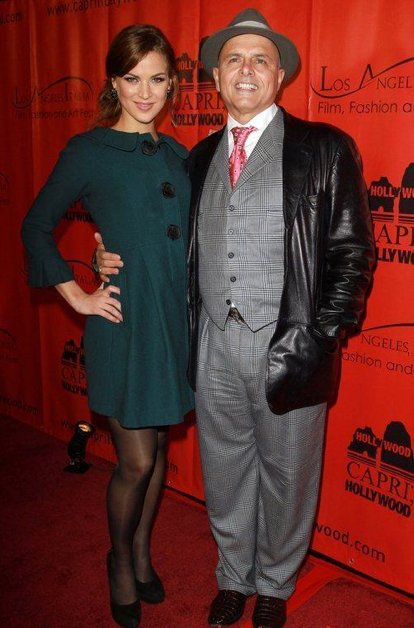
{"x": 250, "y": 23}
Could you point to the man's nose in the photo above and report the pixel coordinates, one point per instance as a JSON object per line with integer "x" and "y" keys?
{"x": 247, "y": 67}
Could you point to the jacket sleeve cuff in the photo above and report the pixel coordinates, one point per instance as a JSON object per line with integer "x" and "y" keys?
{"x": 332, "y": 331}
{"x": 48, "y": 273}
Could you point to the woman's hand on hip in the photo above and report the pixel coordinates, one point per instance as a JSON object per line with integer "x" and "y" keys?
{"x": 99, "y": 303}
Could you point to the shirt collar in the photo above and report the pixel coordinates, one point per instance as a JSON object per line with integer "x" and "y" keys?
{"x": 261, "y": 121}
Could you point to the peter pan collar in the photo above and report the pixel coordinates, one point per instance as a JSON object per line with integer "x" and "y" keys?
{"x": 129, "y": 141}
{"x": 178, "y": 148}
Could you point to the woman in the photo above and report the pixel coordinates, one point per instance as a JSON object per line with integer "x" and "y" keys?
{"x": 133, "y": 181}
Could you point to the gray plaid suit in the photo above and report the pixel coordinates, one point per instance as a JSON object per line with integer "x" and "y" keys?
{"x": 261, "y": 470}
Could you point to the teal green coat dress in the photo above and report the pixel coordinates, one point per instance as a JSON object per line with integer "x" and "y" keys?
{"x": 138, "y": 194}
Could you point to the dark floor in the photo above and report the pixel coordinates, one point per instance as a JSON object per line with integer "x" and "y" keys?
{"x": 54, "y": 539}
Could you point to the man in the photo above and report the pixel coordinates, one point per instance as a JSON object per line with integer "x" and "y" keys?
{"x": 280, "y": 263}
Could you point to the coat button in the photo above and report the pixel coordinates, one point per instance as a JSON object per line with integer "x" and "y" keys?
{"x": 228, "y": 301}
{"x": 148, "y": 148}
{"x": 168, "y": 190}
{"x": 173, "y": 232}
{"x": 233, "y": 278}
{"x": 231, "y": 255}
{"x": 231, "y": 208}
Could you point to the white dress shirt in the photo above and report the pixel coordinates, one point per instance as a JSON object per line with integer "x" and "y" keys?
{"x": 261, "y": 121}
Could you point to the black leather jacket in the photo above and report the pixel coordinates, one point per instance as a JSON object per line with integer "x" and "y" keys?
{"x": 329, "y": 257}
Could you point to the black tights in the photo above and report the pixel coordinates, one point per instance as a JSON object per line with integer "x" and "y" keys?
{"x": 133, "y": 494}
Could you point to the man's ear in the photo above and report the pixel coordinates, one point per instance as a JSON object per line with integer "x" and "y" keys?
{"x": 280, "y": 77}
{"x": 216, "y": 78}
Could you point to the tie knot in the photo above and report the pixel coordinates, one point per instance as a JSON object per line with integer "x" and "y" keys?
{"x": 241, "y": 133}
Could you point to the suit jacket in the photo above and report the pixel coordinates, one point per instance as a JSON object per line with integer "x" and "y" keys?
{"x": 328, "y": 258}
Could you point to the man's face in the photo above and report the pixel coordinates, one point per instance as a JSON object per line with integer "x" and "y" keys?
{"x": 249, "y": 75}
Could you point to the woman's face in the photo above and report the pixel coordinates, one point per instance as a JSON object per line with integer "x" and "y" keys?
{"x": 142, "y": 93}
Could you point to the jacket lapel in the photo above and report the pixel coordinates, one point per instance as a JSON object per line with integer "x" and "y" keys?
{"x": 199, "y": 162}
{"x": 264, "y": 151}
{"x": 297, "y": 157}
{"x": 198, "y": 165}
{"x": 296, "y": 162}
{"x": 221, "y": 160}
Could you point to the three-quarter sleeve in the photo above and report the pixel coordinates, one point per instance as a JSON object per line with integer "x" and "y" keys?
{"x": 67, "y": 183}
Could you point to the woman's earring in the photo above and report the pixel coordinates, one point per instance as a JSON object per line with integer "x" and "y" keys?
{"x": 114, "y": 94}
{"x": 169, "y": 93}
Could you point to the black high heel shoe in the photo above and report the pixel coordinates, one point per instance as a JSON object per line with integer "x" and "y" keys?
{"x": 152, "y": 592}
{"x": 125, "y": 615}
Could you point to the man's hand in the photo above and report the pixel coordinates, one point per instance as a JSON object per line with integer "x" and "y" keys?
{"x": 108, "y": 263}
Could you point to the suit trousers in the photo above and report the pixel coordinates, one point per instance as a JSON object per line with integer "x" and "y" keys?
{"x": 261, "y": 470}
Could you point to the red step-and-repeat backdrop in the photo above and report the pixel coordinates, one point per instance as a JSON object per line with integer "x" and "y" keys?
{"x": 358, "y": 74}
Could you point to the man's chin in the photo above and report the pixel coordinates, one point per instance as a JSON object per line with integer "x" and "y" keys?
{"x": 245, "y": 111}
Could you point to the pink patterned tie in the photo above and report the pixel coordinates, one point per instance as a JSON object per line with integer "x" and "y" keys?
{"x": 238, "y": 156}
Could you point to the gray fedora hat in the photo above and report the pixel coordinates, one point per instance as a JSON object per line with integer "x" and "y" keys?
{"x": 249, "y": 21}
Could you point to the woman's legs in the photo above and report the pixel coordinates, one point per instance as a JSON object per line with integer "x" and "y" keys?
{"x": 141, "y": 548}
{"x": 132, "y": 498}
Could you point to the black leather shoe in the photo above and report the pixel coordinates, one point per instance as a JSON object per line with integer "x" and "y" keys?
{"x": 269, "y": 612}
{"x": 226, "y": 608}
{"x": 125, "y": 615}
{"x": 152, "y": 592}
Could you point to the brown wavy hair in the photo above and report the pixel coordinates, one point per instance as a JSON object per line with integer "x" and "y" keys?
{"x": 126, "y": 50}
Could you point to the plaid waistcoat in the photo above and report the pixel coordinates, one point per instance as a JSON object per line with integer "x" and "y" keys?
{"x": 241, "y": 233}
